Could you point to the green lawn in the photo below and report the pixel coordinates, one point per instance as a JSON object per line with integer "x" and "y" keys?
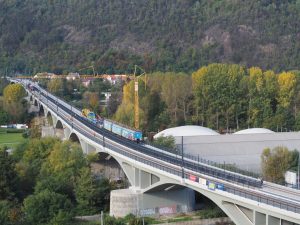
{"x": 10, "y": 140}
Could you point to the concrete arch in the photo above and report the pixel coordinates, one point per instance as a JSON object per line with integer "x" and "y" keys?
{"x": 49, "y": 118}
{"x": 59, "y": 125}
{"x": 36, "y": 103}
{"x": 232, "y": 210}
{"x": 42, "y": 111}
{"x": 74, "y": 138}
{"x": 59, "y": 130}
{"x": 112, "y": 167}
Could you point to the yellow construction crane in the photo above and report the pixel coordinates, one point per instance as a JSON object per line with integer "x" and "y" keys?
{"x": 136, "y": 95}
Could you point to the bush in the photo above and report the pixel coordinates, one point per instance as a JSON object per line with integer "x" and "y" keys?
{"x": 211, "y": 213}
{"x": 165, "y": 142}
{"x": 46, "y": 207}
{"x": 10, "y": 213}
{"x": 113, "y": 221}
{"x": 4, "y": 212}
{"x": 26, "y": 134}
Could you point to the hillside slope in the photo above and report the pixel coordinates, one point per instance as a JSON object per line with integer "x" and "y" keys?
{"x": 178, "y": 35}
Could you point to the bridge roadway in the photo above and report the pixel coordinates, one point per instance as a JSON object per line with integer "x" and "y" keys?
{"x": 246, "y": 187}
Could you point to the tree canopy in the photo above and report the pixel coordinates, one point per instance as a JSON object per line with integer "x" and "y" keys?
{"x": 179, "y": 36}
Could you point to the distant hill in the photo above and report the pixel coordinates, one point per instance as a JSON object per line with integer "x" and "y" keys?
{"x": 178, "y": 35}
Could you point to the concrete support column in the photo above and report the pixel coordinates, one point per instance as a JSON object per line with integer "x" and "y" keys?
{"x": 84, "y": 146}
{"x": 54, "y": 119}
{"x": 145, "y": 179}
{"x": 260, "y": 219}
{"x": 67, "y": 132}
{"x": 273, "y": 221}
{"x": 137, "y": 178}
{"x": 59, "y": 133}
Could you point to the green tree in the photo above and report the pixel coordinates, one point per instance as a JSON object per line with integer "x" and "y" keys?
{"x": 55, "y": 86}
{"x": 216, "y": 88}
{"x": 168, "y": 142}
{"x": 47, "y": 207}
{"x": 262, "y": 92}
{"x": 32, "y": 156}
{"x": 10, "y": 213}
{"x": 275, "y": 163}
{"x": 62, "y": 167}
{"x": 86, "y": 193}
{"x": 15, "y": 110}
{"x": 4, "y": 117}
{"x": 4, "y": 213}
{"x": 8, "y": 176}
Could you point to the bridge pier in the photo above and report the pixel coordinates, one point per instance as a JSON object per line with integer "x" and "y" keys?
{"x": 86, "y": 147}
{"x": 162, "y": 202}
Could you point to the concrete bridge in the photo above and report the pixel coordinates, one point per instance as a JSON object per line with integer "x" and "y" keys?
{"x": 149, "y": 169}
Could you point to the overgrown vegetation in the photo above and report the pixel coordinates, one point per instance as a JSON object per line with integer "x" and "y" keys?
{"x": 56, "y": 36}
{"x": 46, "y": 181}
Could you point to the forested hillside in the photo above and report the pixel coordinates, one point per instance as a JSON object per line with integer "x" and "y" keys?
{"x": 159, "y": 35}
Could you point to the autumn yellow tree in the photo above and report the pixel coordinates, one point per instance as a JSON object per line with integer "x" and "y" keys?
{"x": 94, "y": 101}
{"x": 261, "y": 98}
{"x": 175, "y": 92}
{"x": 286, "y": 92}
{"x": 13, "y": 102}
{"x": 55, "y": 86}
{"x": 285, "y": 97}
{"x": 125, "y": 112}
{"x": 14, "y": 93}
{"x": 91, "y": 100}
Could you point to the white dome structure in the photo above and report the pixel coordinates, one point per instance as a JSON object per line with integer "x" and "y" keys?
{"x": 186, "y": 131}
{"x": 255, "y": 131}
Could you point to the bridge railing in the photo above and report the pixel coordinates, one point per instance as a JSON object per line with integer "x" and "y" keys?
{"x": 225, "y": 166}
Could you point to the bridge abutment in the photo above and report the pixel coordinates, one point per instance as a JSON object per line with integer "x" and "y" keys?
{"x": 163, "y": 202}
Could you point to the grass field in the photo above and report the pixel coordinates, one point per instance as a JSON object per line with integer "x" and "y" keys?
{"x": 10, "y": 140}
